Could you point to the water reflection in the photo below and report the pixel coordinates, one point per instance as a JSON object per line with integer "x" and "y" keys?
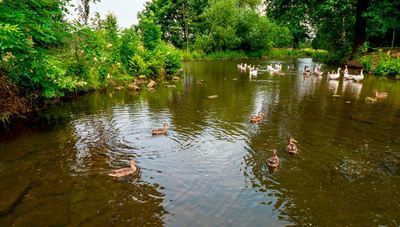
{"x": 211, "y": 168}
{"x": 352, "y": 89}
{"x": 333, "y": 86}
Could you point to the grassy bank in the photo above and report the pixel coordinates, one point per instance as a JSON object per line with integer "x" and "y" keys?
{"x": 321, "y": 55}
{"x": 382, "y": 62}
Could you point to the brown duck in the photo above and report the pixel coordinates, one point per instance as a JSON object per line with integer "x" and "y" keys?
{"x": 273, "y": 162}
{"x": 257, "y": 118}
{"x": 124, "y": 171}
{"x": 380, "y": 94}
{"x": 291, "y": 147}
{"x": 160, "y": 131}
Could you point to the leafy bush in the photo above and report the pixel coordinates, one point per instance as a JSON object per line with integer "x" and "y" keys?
{"x": 366, "y": 62}
{"x": 389, "y": 67}
{"x": 173, "y": 60}
{"x": 137, "y": 65}
{"x": 364, "y": 47}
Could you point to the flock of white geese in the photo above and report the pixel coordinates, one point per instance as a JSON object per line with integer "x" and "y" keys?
{"x": 346, "y": 75}
{"x": 316, "y": 71}
{"x": 253, "y": 70}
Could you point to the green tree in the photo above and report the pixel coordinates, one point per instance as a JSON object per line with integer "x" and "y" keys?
{"x": 179, "y": 19}
{"x": 29, "y": 30}
{"x": 220, "y": 19}
{"x": 151, "y": 32}
{"x": 383, "y": 17}
{"x": 84, "y": 10}
{"x": 338, "y": 26}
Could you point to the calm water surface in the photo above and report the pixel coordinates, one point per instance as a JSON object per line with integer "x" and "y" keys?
{"x": 211, "y": 168}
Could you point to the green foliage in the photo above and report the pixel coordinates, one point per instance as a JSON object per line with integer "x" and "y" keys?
{"x": 179, "y": 20}
{"x": 367, "y": 61}
{"x": 138, "y": 65}
{"x": 44, "y": 54}
{"x": 151, "y": 33}
{"x": 130, "y": 45}
{"x": 364, "y": 47}
{"x": 321, "y": 55}
{"x": 220, "y": 19}
{"x": 28, "y": 30}
{"x": 172, "y": 60}
{"x": 384, "y": 17}
{"x": 388, "y": 67}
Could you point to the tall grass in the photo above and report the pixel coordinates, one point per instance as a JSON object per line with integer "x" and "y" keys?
{"x": 321, "y": 55}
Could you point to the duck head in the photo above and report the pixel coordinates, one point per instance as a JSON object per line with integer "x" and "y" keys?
{"x": 132, "y": 162}
{"x": 166, "y": 125}
{"x": 292, "y": 140}
{"x": 275, "y": 152}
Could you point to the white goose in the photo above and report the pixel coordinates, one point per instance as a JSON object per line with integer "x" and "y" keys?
{"x": 253, "y": 72}
{"x": 348, "y": 76}
{"x": 359, "y": 77}
{"x": 346, "y": 71}
{"x": 272, "y": 69}
{"x": 317, "y": 70}
{"x": 278, "y": 66}
{"x": 334, "y": 76}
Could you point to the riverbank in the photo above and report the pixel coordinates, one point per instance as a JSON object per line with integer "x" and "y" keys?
{"x": 380, "y": 61}
{"x": 16, "y": 105}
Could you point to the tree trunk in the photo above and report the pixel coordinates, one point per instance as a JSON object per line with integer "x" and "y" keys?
{"x": 393, "y": 36}
{"x": 360, "y": 26}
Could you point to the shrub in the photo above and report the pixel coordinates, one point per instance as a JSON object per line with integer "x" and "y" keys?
{"x": 137, "y": 65}
{"x": 366, "y": 62}
{"x": 389, "y": 67}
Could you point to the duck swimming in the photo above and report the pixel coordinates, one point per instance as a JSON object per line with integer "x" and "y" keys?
{"x": 124, "y": 171}
{"x": 380, "y": 94}
{"x": 160, "y": 131}
{"x": 257, "y": 118}
{"x": 291, "y": 147}
{"x": 273, "y": 162}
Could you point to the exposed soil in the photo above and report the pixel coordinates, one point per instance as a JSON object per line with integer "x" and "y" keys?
{"x": 11, "y": 102}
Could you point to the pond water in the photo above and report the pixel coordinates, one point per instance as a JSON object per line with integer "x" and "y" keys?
{"x": 210, "y": 170}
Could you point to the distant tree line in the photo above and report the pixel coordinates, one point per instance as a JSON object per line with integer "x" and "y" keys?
{"x": 340, "y": 27}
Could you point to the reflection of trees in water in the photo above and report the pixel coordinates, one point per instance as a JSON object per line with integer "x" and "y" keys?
{"x": 341, "y": 176}
{"x": 58, "y": 197}
{"x": 352, "y": 89}
{"x": 192, "y": 112}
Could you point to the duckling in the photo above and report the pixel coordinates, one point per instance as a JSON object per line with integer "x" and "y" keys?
{"x": 160, "y": 131}
{"x": 273, "y": 162}
{"x": 257, "y": 118}
{"x": 380, "y": 94}
{"x": 124, "y": 171}
{"x": 291, "y": 147}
